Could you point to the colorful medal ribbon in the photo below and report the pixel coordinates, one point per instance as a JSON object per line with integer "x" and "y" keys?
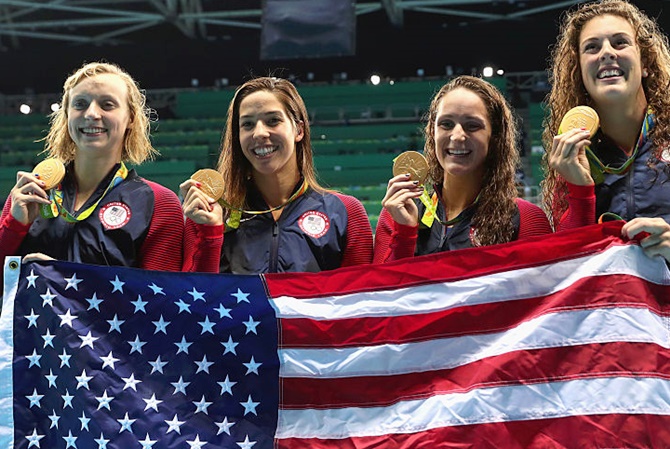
{"x": 56, "y": 207}
{"x": 430, "y": 214}
{"x": 235, "y": 217}
{"x": 430, "y": 202}
{"x": 598, "y": 169}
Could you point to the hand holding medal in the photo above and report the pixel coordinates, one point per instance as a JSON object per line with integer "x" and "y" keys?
{"x": 51, "y": 171}
{"x": 580, "y": 117}
{"x": 211, "y": 182}
{"x": 411, "y": 162}
{"x": 570, "y": 155}
{"x": 402, "y": 189}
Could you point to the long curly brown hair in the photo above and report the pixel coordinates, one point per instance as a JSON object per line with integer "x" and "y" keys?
{"x": 568, "y": 91}
{"x": 496, "y": 206}
{"x": 137, "y": 146}
{"x": 234, "y": 166}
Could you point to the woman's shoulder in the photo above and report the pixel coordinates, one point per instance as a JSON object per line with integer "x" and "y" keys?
{"x": 161, "y": 193}
{"x": 526, "y": 206}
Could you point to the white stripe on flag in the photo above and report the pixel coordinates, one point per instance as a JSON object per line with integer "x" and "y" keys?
{"x": 480, "y": 406}
{"x": 552, "y": 330}
{"x": 505, "y": 286}
{"x": 11, "y": 281}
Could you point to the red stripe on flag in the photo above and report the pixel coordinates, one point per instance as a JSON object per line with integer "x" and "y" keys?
{"x": 519, "y": 367}
{"x": 589, "y": 293}
{"x": 463, "y": 264}
{"x": 594, "y": 431}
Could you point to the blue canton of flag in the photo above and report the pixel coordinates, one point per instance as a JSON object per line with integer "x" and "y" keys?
{"x": 118, "y": 358}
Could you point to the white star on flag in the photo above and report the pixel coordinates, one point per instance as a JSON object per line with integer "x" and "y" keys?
{"x": 118, "y": 285}
{"x": 34, "y": 439}
{"x": 73, "y": 282}
{"x": 240, "y": 296}
{"x": 197, "y": 295}
{"x": 67, "y": 318}
{"x": 156, "y": 289}
{"x": 94, "y": 302}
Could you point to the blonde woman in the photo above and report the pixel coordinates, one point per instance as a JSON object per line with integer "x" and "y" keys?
{"x": 101, "y": 213}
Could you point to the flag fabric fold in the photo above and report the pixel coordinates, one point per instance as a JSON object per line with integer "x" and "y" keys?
{"x": 554, "y": 342}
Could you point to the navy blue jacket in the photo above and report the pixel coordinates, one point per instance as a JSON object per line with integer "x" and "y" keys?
{"x": 310, "y": 236}
{"x": 112, "y": 235}
{"x": 640, "y": 192}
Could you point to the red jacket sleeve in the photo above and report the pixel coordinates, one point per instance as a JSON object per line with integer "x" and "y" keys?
{"x": 533, "y": 220}
{"x": 202, "y": 247}
{"x": 581, "y": 208}
{"x": 393, "y": 241}
{"x": 162, "y": 248}
{"x": 12, "y": 232}
{"x": 359, "y": 233}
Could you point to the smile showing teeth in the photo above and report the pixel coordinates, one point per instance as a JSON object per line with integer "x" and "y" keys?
{"x": 458, "y": 152}
{"x": 609, "y": 73}
{"x": 264, "y": 151}
{"x": 92, "y": 130}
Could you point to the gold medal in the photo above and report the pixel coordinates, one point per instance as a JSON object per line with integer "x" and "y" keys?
{"x": 580, "y": 117}
{"x": 51, "y": 171}
{"x": 411, "y": 162}
{"x": 212, "y": 182}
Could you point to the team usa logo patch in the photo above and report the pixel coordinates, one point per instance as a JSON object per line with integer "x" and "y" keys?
{"x": 114, "y": 215}
{"x": 314, "y": 223}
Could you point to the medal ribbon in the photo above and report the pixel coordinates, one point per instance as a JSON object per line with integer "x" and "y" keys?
{"x": 598, "y": 169}
{"x": 235, "y": 218}
{"x": 430, "y": 214}
{"x": 56, "y": 207}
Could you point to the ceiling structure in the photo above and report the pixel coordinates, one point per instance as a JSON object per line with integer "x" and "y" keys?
{"x": 168, "y": 43}
{"x": 111, "y": 22}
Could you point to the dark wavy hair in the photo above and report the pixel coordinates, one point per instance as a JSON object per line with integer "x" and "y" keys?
{"x": 496, "y": 206}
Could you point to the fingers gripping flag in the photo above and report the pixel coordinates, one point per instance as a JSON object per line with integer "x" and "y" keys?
{"x": 557, "y": 342}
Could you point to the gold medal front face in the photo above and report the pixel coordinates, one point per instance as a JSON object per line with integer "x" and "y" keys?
{"x": 581, "y": 117}
{"x": 212, "y": 182}
{"x": 411, "y": 162}
{"x": 51, "y": 171}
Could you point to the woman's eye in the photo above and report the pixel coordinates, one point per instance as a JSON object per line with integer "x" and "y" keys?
{"x": 588, "y": 48}
{"x": 447, "y": 125}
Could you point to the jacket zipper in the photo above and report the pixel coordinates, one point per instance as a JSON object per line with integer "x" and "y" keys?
{"x": 274, "y": 248}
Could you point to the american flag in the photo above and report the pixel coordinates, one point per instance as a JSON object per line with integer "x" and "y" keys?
{"x": 555, "y": 342}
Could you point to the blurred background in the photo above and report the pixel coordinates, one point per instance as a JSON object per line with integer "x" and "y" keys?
{"x": 366, "y": 70}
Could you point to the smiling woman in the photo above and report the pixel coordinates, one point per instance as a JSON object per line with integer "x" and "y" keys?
{"x": 101, "y": 212}
{"x": 277, "y": 216}
{"x": 615, "y": 59}
{"x": 471, "y": 137}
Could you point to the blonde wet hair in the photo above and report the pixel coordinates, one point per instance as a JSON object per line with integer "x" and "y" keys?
{"x": 137, "y": 146}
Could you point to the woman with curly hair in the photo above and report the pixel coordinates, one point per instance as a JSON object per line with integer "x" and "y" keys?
{"x": 277, "y": 217}
{"x": 612, "y": 57}
{"x": 102, "y": 212}
{"x": 471, "y": 137}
